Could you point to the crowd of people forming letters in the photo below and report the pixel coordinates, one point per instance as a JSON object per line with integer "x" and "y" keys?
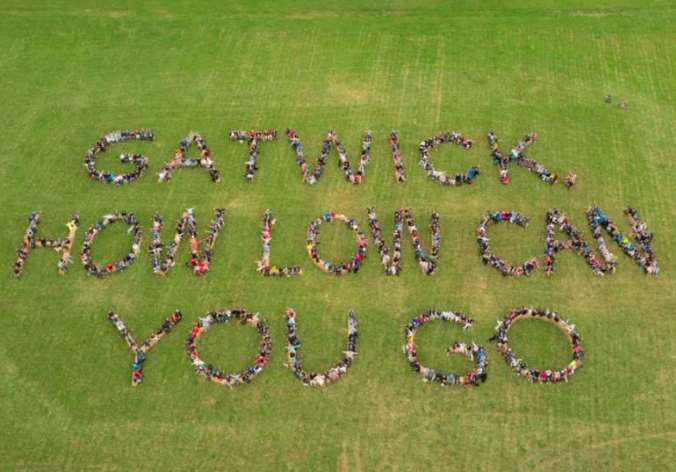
{"x": 518, "y": 155}
{"x": 30, "y": 240}
{"x": 397, "y": 158}
{"x": 180, "y": 160}
{"x": 312, "y": 175}
{"x": 519, "y": 365}
{"x": 199, "y": 263}
{"x": 253, "y": 138}
{"x": 392, "y": 262}
{"x": 264, "y": 265}
{"x": 472, "y": 351}
{"x": 225, "y": 316}
{"x": 353, "y": 264}
{"x": 426, "y": 147}
{"x": 334, "y": 373}
{"x": 491, "y": 259}
{"x": 141, "y": 351}
{"x": 86, "y": 254}
{"x": 640, "y": 250}
{"x": 638, "y": 245}
{"x": 139, "y": 160}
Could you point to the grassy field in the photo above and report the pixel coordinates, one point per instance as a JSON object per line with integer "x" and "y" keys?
{"x": 72, "y": 71}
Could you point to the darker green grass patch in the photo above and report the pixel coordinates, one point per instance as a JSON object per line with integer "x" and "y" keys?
{"x": 540, "y": 343}
{"x": 230, "y": 347}
{"x": 112, "y": 244}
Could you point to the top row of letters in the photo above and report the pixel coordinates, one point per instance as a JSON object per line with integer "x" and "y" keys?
{"x": 311, "y": 174}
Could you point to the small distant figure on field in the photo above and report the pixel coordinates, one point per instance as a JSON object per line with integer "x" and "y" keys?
{"x": 623, "y": 105}
{"x": 571, "y": 179}
{"x": 609, "y": 98}
{"x": 504, "y": 176}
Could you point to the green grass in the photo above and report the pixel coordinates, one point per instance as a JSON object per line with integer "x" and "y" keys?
{"x": 72, "y": 71}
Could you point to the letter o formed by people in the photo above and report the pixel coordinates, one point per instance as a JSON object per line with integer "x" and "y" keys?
{"x": 224, "y": 316}
{"x": 472, "y": 351}
{"x": 519, "y": 365}
{"x": 112, "y": 267}
{"x": 353, "y": 264}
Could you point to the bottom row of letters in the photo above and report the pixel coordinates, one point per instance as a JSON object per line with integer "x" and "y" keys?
{"x": 475, "y": 352}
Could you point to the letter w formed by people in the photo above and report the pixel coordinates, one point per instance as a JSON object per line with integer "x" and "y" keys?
{"x": 312, "y": 175}
{"x": 187, "y": 225}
